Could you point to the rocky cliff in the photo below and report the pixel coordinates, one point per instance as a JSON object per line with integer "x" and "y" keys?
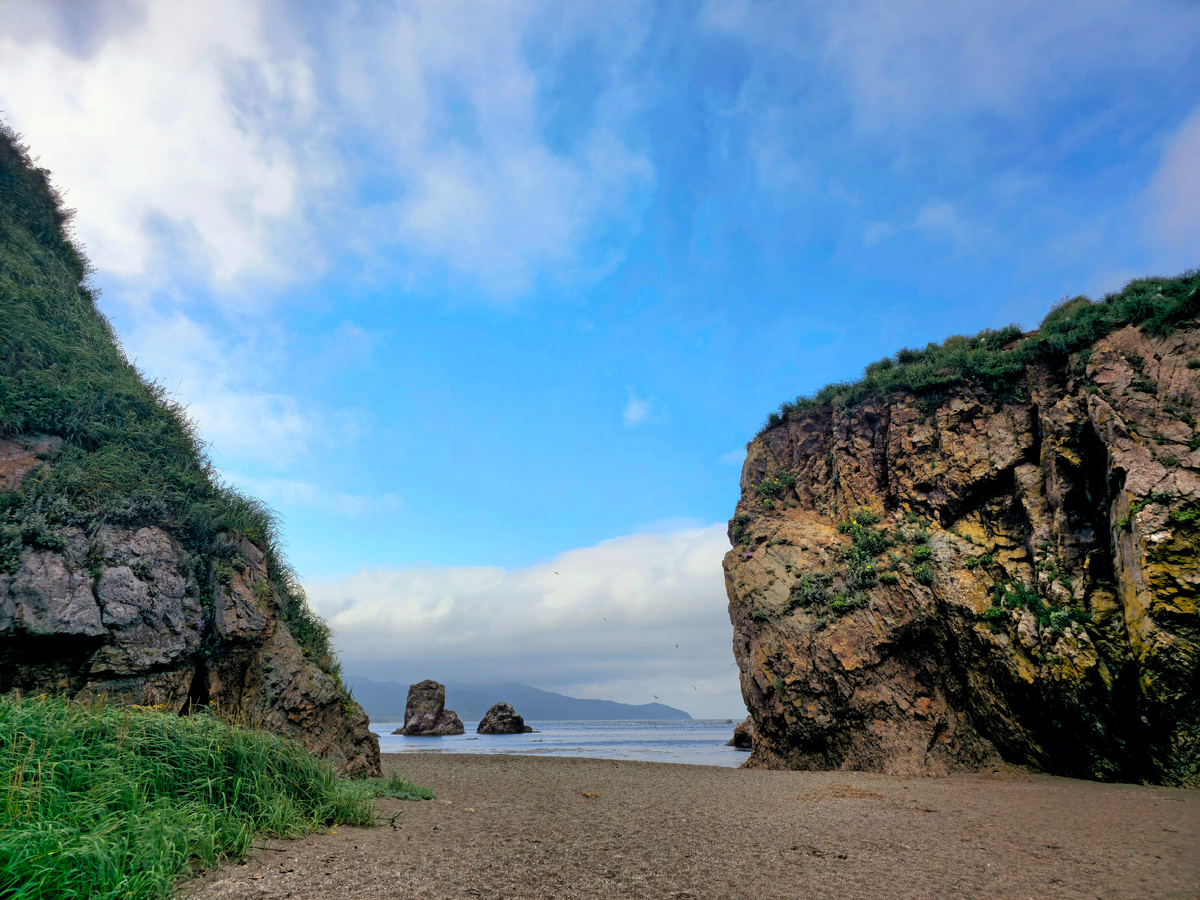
{"x": 126, "y": 569}
{"x": 985, "y": 551}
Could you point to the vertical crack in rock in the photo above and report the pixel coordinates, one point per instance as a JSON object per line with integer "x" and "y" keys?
{"x": 1037, "y": 598}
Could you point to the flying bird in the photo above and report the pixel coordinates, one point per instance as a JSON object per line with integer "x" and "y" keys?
{"x": 694, "y": 688}
{"x": 655, "y": 696}
{"x": 676, "y": 646}
{"x": 605, "y": 620}
{"x": 555, "y": 573}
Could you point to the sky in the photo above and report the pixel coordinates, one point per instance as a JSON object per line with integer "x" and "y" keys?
{"x": 485, "y": 299}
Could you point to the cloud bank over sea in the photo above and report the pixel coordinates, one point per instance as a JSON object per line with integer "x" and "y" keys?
{"x": 627, "y": 619}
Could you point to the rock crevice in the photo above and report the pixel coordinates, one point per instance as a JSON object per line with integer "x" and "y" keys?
{"x": 928, "y": 584}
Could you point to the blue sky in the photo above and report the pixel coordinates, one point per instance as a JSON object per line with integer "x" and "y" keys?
{"x": 473, "y": 292}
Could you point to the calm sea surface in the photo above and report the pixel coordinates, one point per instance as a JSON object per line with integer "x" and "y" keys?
{"x": 698, "y": 742}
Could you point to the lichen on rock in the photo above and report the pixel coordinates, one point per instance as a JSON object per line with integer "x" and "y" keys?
{"x": 1021, "y": 585}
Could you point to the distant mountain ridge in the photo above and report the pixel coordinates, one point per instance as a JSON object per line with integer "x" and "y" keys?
{"x": 384, "y": 701}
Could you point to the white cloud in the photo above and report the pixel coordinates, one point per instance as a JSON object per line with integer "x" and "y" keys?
{"x": 221, "y": 377}
{"x": 936, "y": 220}
{"x": 223, "y": 139}
{"x": 943, "y": 219}
{"x": 546, "y": 624}
{"x": 285, "y": 492}
{"x": 1175, "y": 192}
{"x": 453, "y": 105}
{"x": 902, "y": 65}
{"x": 163, "y": 129}
{"x": 636, "y": 410}
{"x": 1022, "y": 89}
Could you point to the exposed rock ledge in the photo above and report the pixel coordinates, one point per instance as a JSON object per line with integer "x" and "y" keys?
{"x": 1052, "y": 620}
{"x": 117, "y": 613}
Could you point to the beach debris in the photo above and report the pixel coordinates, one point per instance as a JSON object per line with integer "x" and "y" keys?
{"x": 425, "y": 713}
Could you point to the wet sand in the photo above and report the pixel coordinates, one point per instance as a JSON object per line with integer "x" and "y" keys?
{"x": 520, "y": 826}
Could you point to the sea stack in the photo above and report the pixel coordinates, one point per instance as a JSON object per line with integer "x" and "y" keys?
{"x": 425, "y": 713}
{"x": 502, "y": 719}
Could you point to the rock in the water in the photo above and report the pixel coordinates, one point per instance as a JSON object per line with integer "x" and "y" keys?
{"x": 742, "y": 735}
{"x": 924, "y": 583}
{"x": 425, "y": 713}
{"x": 502, "y": 719}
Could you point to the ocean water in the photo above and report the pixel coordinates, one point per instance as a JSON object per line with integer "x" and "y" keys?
{"x": 697, "y": 742}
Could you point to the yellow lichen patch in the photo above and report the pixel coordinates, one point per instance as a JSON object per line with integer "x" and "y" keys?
{"x": 1070, "y": 456}
{"x": 1026, "y": 671}
{"x": 1071, "y": 661}
{"x": 1103, "y": 606}
{"x": 971, "y": 529}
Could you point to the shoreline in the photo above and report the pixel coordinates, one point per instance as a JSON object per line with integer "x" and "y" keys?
{"x": 692, "y": 742}
{"x": 573, "y": 827}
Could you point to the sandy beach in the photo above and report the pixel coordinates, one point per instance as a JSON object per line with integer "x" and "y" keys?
{"x": 521, "y": 826}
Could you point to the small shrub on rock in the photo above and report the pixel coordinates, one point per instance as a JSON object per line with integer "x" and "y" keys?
{"x": 812, "y": 588}
{"x": 844, "y": 603}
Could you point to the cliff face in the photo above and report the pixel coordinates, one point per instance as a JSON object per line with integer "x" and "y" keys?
{"x": 126, "y": 569}
{"x": 930, "y": 583}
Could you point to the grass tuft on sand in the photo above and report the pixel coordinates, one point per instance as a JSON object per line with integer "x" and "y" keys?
{"x": 101, "y": 801}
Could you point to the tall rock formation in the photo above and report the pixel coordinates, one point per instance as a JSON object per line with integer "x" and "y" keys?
{"x": 126, "y": 569}
{"x": 996, "y": 562}
{"x": 425, "y": 713}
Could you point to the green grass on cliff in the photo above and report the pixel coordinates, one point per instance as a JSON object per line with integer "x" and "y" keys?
{"x": 106, "y": 802}
{"x": 994, "y": 361}
{"x": 130, "y": 456}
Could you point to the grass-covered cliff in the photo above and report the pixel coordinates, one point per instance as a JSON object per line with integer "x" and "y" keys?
{"x": 130, "y": 455}
{"x": 985, "y": 550}
{"x": 994, "y": 361}
{"x": 127, "y": 568}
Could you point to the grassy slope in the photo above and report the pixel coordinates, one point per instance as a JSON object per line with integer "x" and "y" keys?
{"x": 994, "y": 361}
{"x": 106, "y": 802}
{"x": 130, "y": 454}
